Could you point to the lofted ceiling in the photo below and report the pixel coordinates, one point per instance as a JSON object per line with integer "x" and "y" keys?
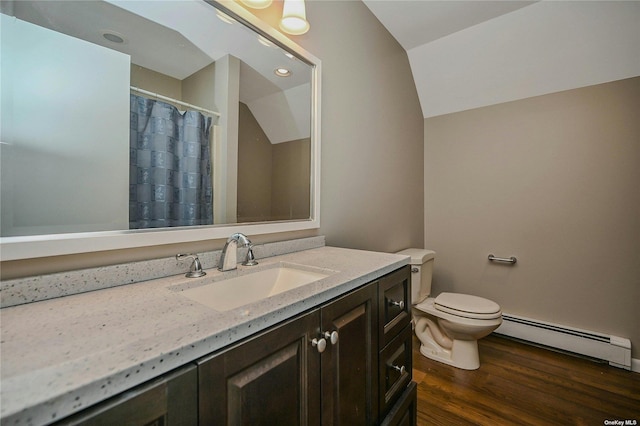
{"x": 417, "y": 22}
{"x": 175, "y": 38}
{"x": 470, "y": 54}
{"x": 463, "y": 54}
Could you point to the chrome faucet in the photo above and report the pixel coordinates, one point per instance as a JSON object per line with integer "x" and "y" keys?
{"x": 229, "y": 257}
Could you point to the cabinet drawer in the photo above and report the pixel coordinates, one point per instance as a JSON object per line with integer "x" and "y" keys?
{"x": 394, "y": 304}
{"x": 405, "y": 412}
{"x": 395, "y": 369}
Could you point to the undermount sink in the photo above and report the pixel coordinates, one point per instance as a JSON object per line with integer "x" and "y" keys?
{"x": 224, "y": 295}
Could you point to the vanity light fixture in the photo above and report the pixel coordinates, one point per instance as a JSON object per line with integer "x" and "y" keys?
{"x": 282, "y": 72}
{"x": 258, "y": 4}
{"x": 294, "y": 17}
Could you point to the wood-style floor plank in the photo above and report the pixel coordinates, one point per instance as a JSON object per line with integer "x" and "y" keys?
{"x": 520, "y": 384}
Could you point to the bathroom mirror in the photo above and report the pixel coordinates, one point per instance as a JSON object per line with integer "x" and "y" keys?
{"x": 136, "y": 123}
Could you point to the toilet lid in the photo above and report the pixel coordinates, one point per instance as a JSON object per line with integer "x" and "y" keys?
{"x": 467, "y": 306}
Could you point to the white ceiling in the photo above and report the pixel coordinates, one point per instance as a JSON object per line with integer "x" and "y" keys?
{"x": 175, "y": 38}
{"x": 417, "y": 22}
{"x": 471, "y": 54}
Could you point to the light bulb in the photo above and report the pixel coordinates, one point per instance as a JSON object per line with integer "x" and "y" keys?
{"x": 294, "y": 17}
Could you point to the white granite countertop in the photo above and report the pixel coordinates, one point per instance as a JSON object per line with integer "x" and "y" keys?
{"x": 62, "y": 355}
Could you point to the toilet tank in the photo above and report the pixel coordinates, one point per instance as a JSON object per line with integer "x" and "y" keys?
{"x": 421, "y": 272}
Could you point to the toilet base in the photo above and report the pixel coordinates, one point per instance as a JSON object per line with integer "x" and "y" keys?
{"x": 463, "y": 354}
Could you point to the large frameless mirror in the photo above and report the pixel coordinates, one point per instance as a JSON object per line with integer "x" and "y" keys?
{"x": 135, "y": 123}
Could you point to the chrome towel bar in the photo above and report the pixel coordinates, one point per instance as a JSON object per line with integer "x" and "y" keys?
{"x": 510, "y": 260}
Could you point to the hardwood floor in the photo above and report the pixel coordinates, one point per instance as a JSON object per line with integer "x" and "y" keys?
{"x": 519, "y": 384}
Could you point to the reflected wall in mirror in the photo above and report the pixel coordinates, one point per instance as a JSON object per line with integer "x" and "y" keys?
{"x": 120, "y": 115}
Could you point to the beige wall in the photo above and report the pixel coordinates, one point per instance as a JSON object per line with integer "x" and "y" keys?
{"x": 372, "y": 144}
{"x": 273, "y": 179}
{"x": 291, "y": 180}
{"x": 372, "y": 131}
{"x": 552, "y": 180}
{"x": 144, "y": 78}
{"x": 255, "y": 169}
{"x": 198, "y": 88}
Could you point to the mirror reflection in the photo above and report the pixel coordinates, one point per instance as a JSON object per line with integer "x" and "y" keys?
{"x": 121, "y": 115}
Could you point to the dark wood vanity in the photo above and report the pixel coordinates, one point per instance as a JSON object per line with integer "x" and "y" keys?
{"x": 345, "y": 362}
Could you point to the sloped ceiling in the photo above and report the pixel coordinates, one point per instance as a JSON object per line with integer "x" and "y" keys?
{"x": 414, "y": 23}
{"x": 470, "y": 54}
{"x": 159, "y": 38}
{"x": 178, "y": 38}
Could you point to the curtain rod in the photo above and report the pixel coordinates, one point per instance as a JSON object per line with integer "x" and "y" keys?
{"x": 175, "y": 101}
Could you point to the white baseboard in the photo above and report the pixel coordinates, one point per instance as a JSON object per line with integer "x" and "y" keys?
{"x": 616, "y": 350}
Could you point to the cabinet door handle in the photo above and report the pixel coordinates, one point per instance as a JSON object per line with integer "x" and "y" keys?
{"x": 400, "y": 369}
{"x": 331, "y": 336}
{"x": 320, "y": 344}
{"x": 399, "y": 304}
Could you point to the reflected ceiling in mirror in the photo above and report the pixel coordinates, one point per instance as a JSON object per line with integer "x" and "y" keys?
{"x": 120, "y": 116}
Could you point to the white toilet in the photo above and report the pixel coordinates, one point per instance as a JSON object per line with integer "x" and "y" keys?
{"x": 449, "y": 325}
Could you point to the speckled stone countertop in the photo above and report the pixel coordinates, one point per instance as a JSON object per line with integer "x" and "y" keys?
{"x": 62, "y": 355}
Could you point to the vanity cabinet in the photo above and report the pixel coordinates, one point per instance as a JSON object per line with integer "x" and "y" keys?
{"x": 168, "y": 400}
{"x": 295, "y": 374}
{"x": 319, "y": 368}
{"x": 347, "y": 362}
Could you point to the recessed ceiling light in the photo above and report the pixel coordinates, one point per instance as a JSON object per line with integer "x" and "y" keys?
{"x": 282, "y": 72}
{"x": 114, "y": 37}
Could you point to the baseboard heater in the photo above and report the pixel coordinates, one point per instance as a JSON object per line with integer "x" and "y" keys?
{"x": 615, "y": 350}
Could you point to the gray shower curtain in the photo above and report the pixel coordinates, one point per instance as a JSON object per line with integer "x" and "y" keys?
{"x": 170, "y": 178}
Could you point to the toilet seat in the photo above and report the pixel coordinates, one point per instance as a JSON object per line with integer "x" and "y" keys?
{"x": 467, "y": 306}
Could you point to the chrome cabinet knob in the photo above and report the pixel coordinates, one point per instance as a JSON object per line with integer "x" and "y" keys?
{"x": 320, "y": 344}
{"x": 331, "y": 336}
{"x": 399, "y": 304}
{"x": 400, "y": 369}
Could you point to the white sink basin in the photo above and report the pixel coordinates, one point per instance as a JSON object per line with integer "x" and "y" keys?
{"x": 231, "y": 293}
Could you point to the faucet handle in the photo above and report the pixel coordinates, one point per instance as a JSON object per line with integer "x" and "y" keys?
{"x": 250, "y": 260}
{"x": 195, "y": 270}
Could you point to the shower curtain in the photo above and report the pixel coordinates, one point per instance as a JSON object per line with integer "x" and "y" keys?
{"x": 170, "y": 166}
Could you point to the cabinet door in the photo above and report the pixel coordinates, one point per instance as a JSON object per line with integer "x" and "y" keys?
{"x": 272, "y": 379}
{"x": 168, "y": 401}
{"x": 349, "y": 366}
